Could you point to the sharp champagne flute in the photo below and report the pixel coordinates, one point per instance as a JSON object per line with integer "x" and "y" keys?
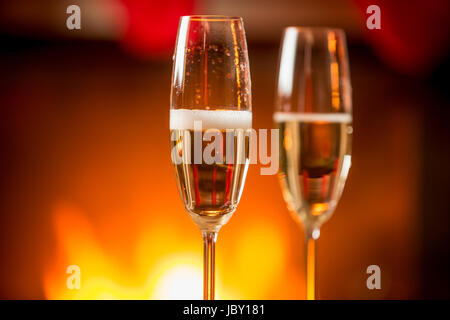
{"x": 313, "y": 111}
{"x": 210, "y": 119}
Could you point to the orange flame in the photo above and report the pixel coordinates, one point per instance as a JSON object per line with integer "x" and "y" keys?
{"x": 173, "y": 271}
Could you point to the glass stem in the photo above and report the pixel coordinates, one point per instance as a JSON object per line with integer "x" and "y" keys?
{"x": 311, "y": 243}
{"x": 209, "y": 243}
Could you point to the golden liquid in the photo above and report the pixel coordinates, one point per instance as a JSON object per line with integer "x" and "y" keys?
{"x": 211, "y": 192}
{"x": 314, "y": 163}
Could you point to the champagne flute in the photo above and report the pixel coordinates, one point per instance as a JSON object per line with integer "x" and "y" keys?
{"x": 210, "y": 122}
{"x": 314, "y": 116}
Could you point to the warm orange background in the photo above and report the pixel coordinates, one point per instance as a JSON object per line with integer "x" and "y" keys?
{"x": 87, "y": 180}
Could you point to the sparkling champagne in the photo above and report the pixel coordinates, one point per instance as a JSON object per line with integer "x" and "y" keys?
{"x": 314, "y": 162}
{"x": 210, "y": 184}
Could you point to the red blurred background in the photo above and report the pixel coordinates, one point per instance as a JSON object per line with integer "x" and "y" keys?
{"x": 87, "y": 177}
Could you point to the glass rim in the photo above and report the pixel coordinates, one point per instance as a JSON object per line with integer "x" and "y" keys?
{"x": 211, "y": 17}
{"x": 315, "y": 29}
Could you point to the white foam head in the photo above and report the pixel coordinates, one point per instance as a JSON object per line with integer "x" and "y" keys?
{"x": 183, "y": 119}
{"x": 311, "y": 117}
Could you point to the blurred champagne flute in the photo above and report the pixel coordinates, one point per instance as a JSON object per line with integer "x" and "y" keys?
{"x": 314, "y": 116}
{"x": 210, "y": 119}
